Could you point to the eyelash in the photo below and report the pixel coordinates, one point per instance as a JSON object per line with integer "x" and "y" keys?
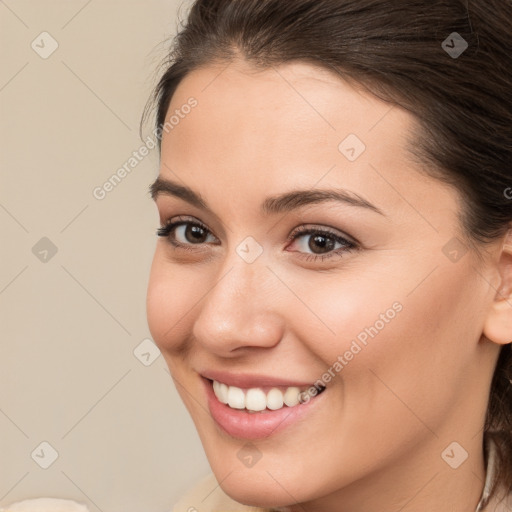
{"x": 348, "y": 245}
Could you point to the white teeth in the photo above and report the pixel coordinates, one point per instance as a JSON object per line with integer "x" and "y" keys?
{"x": 291, "y": 397}
{"x": 255, "y": 399}
{"x": 236, "y": 398}
{"x": 221, "y": 391}
{"x": 275, "y": 399}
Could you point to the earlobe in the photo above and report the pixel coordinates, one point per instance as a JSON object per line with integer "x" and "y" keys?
{"x": 498, "y": 323}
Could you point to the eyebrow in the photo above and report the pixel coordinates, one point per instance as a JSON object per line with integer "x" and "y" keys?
{"x": 282, "y": 203}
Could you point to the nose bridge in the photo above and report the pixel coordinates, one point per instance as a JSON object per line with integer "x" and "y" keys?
{"x": 237, "y": 310}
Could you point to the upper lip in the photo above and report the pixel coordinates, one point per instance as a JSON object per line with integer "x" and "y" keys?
{"x": 251, "y": 380}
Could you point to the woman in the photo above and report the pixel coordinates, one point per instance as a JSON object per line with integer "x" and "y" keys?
{"x": 332, "y": 284}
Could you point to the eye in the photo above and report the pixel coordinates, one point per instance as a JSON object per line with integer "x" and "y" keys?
{"x": 322, "y": 245}
{"x": 183, "y": 233}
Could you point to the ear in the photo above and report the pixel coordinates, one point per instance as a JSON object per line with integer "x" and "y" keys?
{"x": 498, "y": 323}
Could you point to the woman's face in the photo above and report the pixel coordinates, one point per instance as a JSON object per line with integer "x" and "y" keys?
{"x": 375, "y": 298}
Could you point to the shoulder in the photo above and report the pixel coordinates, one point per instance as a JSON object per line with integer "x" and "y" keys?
{"x": 45, "y": 505}
{"x": 207, "y": 496}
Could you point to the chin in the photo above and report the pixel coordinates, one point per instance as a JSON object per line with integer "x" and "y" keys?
{"x": 256, "y": 492}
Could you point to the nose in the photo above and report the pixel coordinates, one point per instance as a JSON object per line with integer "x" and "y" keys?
{"x": 240, "y": 310}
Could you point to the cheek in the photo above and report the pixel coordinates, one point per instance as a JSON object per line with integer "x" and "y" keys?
{"x": 339, "y": 312}
{"x": 167, "y": 303}
{"x": 381, "y": 340}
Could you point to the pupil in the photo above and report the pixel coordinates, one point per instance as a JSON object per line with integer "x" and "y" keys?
{"x": 322, "y": 241}
{"x": 197, "y": 232}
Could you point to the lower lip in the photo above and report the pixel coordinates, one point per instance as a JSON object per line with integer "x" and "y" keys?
{"x": 245, "y": 425}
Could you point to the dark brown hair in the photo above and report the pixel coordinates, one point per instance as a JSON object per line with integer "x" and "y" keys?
{"x": 405, "y": 53}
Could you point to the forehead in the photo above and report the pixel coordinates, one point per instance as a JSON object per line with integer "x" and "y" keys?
{"x": 293, "y": 125}
{"x": 296, "y": 101}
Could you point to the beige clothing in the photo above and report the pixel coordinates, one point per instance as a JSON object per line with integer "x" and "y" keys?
{"x": 207, "y": 496}
{"x": 46, "y": 505}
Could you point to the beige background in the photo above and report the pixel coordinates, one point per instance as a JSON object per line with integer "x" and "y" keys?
{"x": 71, "y": 321}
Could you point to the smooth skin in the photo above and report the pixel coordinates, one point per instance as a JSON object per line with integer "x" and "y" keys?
{"x": 422, "y": 383}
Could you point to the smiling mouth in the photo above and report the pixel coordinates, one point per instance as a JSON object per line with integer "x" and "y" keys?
{"x": 260, "y": 399}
